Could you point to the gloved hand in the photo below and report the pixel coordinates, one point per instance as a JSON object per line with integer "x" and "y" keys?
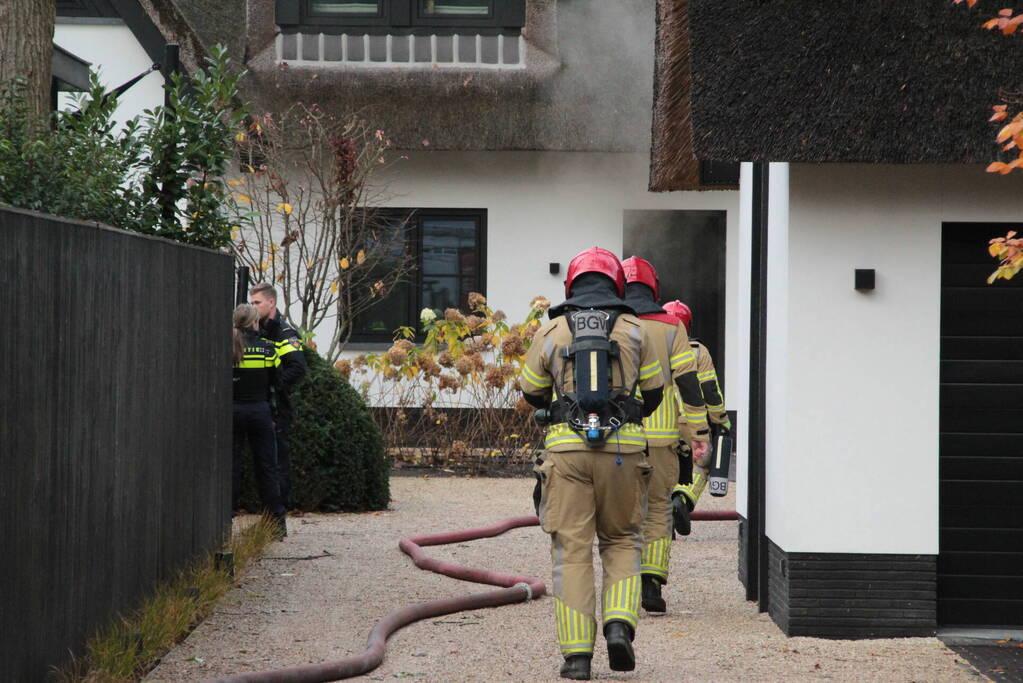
{"x": 680, "y": 514}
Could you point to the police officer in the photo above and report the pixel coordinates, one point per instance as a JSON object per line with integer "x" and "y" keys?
{"x": 593, "y": 485}
{"x": 678, "y": 363}
{"x": 687, "y": 491}
{"x": 277, "y": 329}
{"x": 255, "y": 373}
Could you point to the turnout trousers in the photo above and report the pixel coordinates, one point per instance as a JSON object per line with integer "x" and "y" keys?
{"x": 586, "y": 494}
{"x": 658, "y": 522}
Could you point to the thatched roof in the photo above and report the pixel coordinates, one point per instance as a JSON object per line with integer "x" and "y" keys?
{"x": 673, "y": 166}
{"x": 588, "y": 86}
{"x": 868, "y": 81}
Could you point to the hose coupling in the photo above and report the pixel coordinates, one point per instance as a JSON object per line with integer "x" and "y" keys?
{"x": 529, "y": 590}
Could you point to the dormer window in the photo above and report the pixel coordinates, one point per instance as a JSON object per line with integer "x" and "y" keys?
{"x": 475, "y": 34}
{"x": 397, "y": 17}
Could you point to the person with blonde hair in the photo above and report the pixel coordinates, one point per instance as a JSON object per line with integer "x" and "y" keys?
{"x": 255, "y": 374}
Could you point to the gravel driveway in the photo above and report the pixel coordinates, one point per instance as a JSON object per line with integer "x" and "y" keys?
{"x": 288, "y": 612}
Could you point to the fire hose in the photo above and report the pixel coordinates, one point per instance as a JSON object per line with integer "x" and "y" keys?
{"x": 515, "y": 588}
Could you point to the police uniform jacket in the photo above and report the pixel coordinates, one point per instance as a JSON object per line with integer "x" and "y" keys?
{"x": 639, "y": 367}
{"x": 292, "y": 361}
{"x": 256, "y": 375}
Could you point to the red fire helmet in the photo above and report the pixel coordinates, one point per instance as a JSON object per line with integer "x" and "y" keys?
{"x": 596, "y": 260}
{"x": 640, "y": 270}
{"x": 680, "y": 311}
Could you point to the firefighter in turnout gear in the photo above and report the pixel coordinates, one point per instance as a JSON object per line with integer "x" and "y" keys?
{"x": 586, "y": 370}
{"x": 678, "y": 364}
{"x": 687, "y": 491}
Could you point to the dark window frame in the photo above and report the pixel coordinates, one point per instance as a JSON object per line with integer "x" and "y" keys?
{"x": 400, "y": 17}
{"x": 414, "y": 296}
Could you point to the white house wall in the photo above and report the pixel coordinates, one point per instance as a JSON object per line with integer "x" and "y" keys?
{"x": 545, "y": 207}
{"x": 737, "y": 394}
{"x": 117, "y": 56}
{"x": 853, "y": 415}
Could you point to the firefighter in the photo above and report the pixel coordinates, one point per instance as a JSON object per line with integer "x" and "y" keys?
{"x": 255, "y": 373}
{"x": 678, "y": 364}
{"x": 277, "y": 329}
{"x": 687, "y": 491}
{"x": 586, "y": 369}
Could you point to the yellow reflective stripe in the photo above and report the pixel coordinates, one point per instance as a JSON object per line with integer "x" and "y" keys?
{"x": 706, "y": 376}
{"x": 716, "y": 409}
{"x": 648, "y": 371}
{"x": 285, "y": 347}
{"x": 250, "y": 364}
{"x": 535, "y": 379}
{"x": 681, "y": 358}
{"x": 696, "y": 417}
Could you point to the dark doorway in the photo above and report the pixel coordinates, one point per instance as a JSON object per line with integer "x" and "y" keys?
{"x": 980, "y": 561}
{"x": 688, "y": 250}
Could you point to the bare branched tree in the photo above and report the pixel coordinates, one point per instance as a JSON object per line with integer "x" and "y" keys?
{"x": 315, "y": 229}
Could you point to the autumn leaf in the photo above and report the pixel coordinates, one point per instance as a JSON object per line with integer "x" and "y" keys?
{"x": 244, "y": 198}
{"x": 240, "y": 137}
{"x": 333, "y": 285}
{"x": 360, "y": 258}
{"x": 996, "y": 167}
{"x": 994, "y": 250}
{"x": 1010, "y": 130}
{"x": 284, "y": 208}
{"x": 998, "y": 116}
{"x": 344, "y": 263}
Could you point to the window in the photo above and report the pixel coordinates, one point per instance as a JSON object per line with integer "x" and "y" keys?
{"x": 402, "y": 16}
{"x": 450, "y": 258}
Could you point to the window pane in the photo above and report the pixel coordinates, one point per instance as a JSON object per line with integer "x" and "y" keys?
{"x": 394, "y": 310}
{"x": 457, "y": 8}
{"x": 335, "y": 7}
{"x": 450, "y": 262}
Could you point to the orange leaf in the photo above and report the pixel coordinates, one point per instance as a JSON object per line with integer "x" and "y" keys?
{"x": 1000, "y": 107}
{"x": 1010, "y": 130}
{"x": 994, "y": 250}
{"x": 1010, "y": 234}
{"x": 989, "y": 24}
{"x": 1009, "y": 28}
{"x": 1005, "y": 12}
{"x": 995, "y": 167}
{"x": 1009, "y": 146}
{"x": 998, "y": 116}
{"x": 971, "y": 3}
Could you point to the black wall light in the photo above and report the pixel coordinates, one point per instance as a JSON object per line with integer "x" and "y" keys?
{"x": 555, "y": 268}
{"x": 864, "y": 279}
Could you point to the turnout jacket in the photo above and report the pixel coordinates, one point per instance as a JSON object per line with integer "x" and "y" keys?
{"x": 544, "y": 367}
{"x": 257, "y": 373}
{"x": 678, "y": 367}
{"x": 708, "y": 377}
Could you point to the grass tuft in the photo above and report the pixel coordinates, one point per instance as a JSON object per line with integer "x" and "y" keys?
{"x": 129, "y": 648}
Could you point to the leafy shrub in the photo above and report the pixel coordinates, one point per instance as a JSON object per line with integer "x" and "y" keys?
{"x": 337, "y": 452}
{"x": 161, "y": 174}
{"x": 454, "y": 400}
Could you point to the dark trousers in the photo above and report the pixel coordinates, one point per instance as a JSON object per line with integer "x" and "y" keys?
{"x": 284, "y": 457}
{"x": 254, "y": 423}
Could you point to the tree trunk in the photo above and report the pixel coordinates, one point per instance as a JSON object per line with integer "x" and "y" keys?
{"x": 26, "y": 48}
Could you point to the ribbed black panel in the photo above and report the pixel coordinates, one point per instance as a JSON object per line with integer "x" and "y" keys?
{"x": 115, "y": 426}
{"x": 980, "y": 564}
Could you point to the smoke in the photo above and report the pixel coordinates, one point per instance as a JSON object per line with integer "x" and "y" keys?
{"x": 603, "y": 96}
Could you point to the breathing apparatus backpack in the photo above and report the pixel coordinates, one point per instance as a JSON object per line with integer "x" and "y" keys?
{"x": 596, "y": 409}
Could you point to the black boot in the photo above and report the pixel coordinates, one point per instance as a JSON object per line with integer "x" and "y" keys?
{"x": 680, "y": 512}
{"x": 619, "y": 646}
{"x": 651, "y": 596}
{"x": 280, "y": 527}
{"x": 576, "y": 667}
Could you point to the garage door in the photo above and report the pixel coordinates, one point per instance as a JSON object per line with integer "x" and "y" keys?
{"x": 980, "y": 564}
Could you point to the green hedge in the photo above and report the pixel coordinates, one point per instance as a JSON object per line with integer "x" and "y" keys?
{"x": 337, "y": 453}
